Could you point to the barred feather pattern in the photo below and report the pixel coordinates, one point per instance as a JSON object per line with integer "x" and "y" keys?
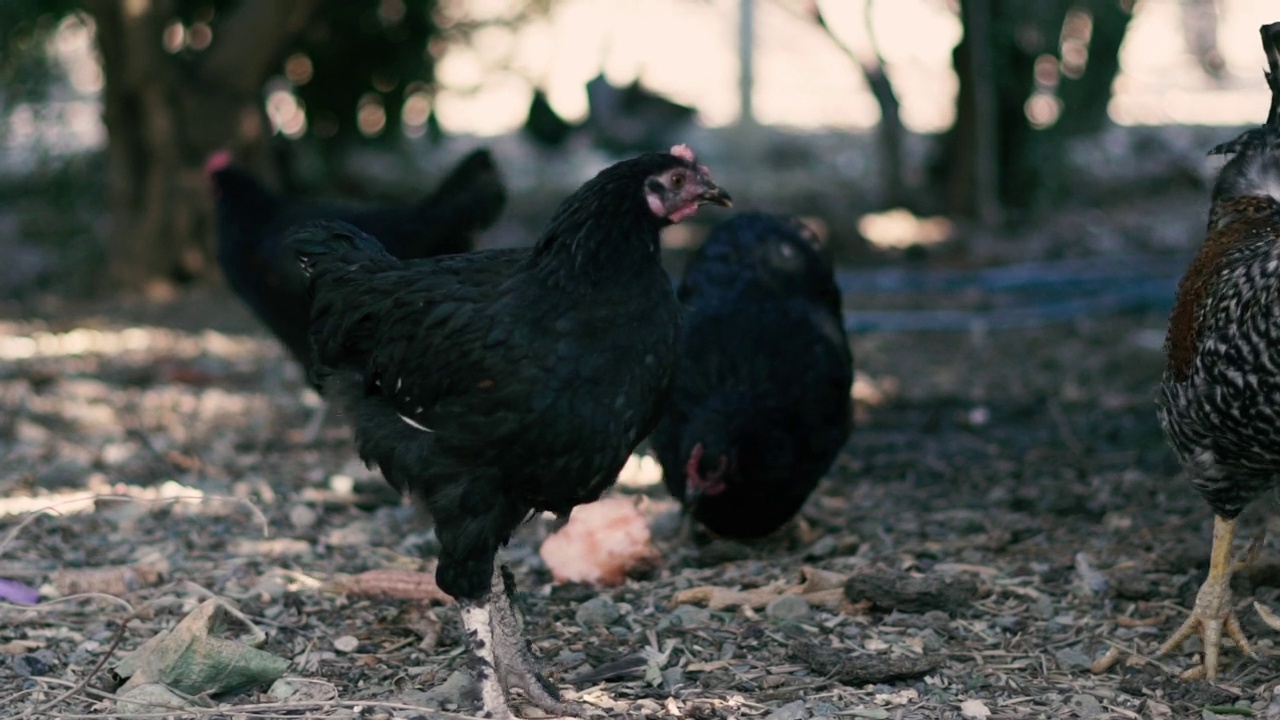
{"x": 1219, "y": 403}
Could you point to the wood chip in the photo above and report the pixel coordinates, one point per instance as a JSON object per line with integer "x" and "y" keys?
{"x": 111, "y": 580}
{"x": 1106, "y": 662}
{"x": 392, "y": 583}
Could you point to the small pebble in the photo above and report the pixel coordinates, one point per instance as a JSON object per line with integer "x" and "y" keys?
{"x": 458, "y": 689}
{"x": 303, "y": 517}
{"x": 930, "y": 640}
{"x": 1086, "y": 705}
{"x": 667, "y": 525}
{"x": 269, "y": 588}
{"x": 686, "y": 616}
{"x": 824, "y": 709}
{"x": 788, "y": 607}
{"x": 346, "y": 643}
{"x": 1071, "y": 659}
{"x": 1012, "y": 623}
{"x": 824, "y": 547}
{"x": 597, "y": 611}
{"x": 28, "y": 665}
{"x": 793, "y": 710}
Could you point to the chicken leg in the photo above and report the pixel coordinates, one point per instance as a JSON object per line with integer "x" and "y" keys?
{"x": 1212, "y": 613}
{"x": 496, "y": 632}
{"x": 315, "y": 424}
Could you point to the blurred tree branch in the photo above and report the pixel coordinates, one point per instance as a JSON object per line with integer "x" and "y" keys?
{"x": 871, "y": 61}
{"x": 252, "y": 40}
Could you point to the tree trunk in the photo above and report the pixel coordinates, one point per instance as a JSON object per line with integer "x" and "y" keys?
{"x": 1028, "y": 162}
{"x": 165, "y": 113}
{"x": 1085, "y": 99}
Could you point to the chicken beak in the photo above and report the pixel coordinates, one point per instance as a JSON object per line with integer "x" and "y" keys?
{"x": 715, "y": 194}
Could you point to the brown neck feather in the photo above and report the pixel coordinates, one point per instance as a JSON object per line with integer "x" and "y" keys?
{"x": 1232, "y": 223}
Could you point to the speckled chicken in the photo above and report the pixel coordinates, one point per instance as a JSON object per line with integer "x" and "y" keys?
{"x": 1219, "y": 403}
{"x": 494, "y": 384}
{"x": 760, "y": 405}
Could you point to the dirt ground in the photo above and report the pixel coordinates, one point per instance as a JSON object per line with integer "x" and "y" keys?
{"x": 1019, "y": 476}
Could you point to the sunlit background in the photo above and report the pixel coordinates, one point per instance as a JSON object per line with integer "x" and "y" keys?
{"x": 688, "y": 51}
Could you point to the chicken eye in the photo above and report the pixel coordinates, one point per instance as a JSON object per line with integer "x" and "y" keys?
{"x": 677, "y": 181}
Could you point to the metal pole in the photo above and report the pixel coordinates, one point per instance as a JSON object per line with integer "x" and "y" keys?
{"x": 746, "y": 58}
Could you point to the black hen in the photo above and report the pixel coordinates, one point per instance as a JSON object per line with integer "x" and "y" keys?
{"x": 544, "y": 125}
{"x": 499, "y": 383}
{"x": 623, "y": 119}
{"x": 760, "y": 404}
{"x": 252, "y": 222}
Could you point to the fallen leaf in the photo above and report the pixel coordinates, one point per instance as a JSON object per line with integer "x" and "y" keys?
{"x": 196, "y": 657}
{"x": 974, "y": 709}
{"x": 144, "y": 700}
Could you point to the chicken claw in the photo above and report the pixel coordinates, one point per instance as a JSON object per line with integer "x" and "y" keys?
{"x": 1212, "y": 613}
{"x": 1266, "y": 615}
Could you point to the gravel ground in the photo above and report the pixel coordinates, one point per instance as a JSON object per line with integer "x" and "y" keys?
{"x": 1005, "y": 516}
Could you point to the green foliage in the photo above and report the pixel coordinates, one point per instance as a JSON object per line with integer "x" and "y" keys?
{"x": 358, "y": 49}
{"x": 364, "y": 49}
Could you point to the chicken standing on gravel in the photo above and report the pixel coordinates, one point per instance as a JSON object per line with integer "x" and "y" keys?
{"x": 760, "y": 404}
{"x": 1219, "y": 403}
{"x": 499, "y": 383}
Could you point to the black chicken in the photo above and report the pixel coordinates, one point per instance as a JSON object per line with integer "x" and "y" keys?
{"x": 544, "y": 125}
{"x": 1219, "y": 403}
{"x": 760, "y": 403}
{"x": 499, "y": 383}
{"x": 624, "y": 119}
{"x": 252, "y": 222}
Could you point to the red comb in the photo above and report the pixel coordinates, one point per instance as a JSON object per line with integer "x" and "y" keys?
{"x": 216, "y": 161}
{"x": 684, "y": 152}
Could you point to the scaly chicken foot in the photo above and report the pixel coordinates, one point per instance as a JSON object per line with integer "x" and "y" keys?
{"x": 504, "y": 660}
{"x": 517, "y": 667}
{"x": 493, "y": 697}
{"x": 1212, "y": 613}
